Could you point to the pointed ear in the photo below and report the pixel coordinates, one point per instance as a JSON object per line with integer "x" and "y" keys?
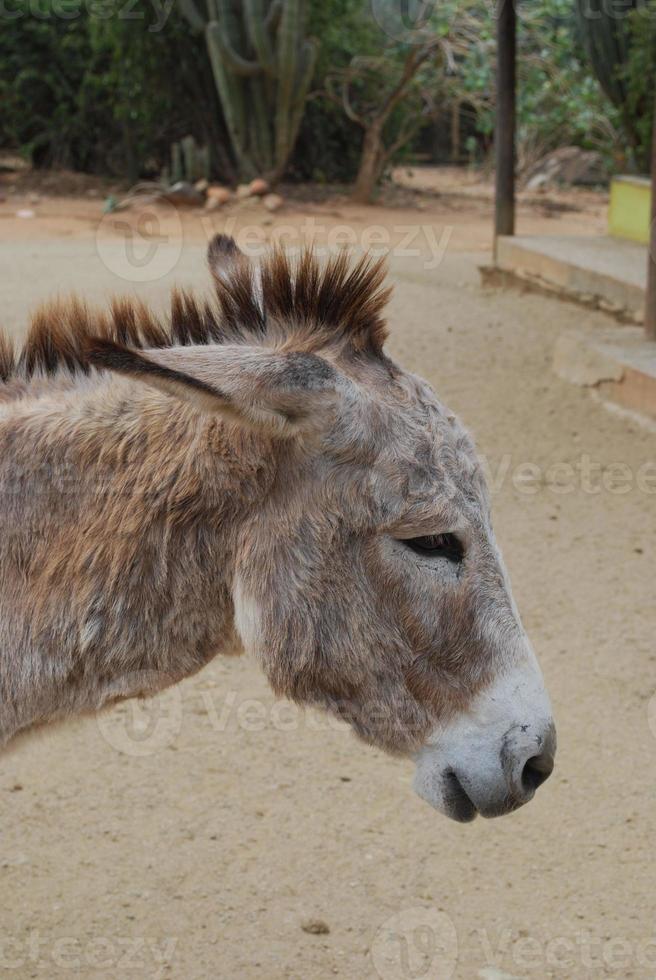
{"x": 224, "y": 257}
{"x": 281, "y": 394}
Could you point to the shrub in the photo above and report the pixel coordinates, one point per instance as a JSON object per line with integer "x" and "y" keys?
{"x": 100, "y": 92}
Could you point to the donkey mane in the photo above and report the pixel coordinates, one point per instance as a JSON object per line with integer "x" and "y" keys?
{"x": 284, "y": 300}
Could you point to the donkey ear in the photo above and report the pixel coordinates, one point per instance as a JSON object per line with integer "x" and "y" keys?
{"x": 224, "y": 256}
{"x": 282, "y": 394}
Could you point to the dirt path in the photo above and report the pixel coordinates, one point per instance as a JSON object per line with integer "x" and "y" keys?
{"x": 193, "y": 839}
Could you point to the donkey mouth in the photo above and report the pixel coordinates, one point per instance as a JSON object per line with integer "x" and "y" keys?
{"x": 457, "y": 804}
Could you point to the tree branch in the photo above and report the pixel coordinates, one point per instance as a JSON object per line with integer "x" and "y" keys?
{"x": 413, "y": 63}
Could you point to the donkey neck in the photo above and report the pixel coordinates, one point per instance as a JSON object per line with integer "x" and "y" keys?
{"x": 117, "y": 566}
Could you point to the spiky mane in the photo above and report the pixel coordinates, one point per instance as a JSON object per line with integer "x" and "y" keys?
{"x": 283, "y": 300}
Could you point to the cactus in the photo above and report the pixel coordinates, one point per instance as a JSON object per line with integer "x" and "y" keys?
{"x": 605, "y": 35}
{"x": 262, "y": 66}
{"x": 189, "y": 161}
{"x": 177, "y": 165}
{"x": 604, "y": 27}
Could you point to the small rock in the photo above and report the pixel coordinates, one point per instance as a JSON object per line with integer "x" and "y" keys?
{"x": 201, "y": 186}
{"x": 258, "y": 187}
{"x": 608, "y": 306}
{"x": 243, "y": 191}
{"x": 567, "y": 165}
{"x": 25, "y": 213}
{"x": 316, "y": 927}
{"x": 537, "y": 182}
{"x": 184, "y": 194}
{"x": 217, "y": 193}
{"x": 217, "y": 197}
{"x": 273, "y": 202}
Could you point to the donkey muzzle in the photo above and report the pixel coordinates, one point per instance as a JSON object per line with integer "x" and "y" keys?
{"x": 492, "y": 759}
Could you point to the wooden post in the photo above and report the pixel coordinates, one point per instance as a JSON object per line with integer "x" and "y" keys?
{"x": 504, "y": 133}
{"x": 650, "y": 299}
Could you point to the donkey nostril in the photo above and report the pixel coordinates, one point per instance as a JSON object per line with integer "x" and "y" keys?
{"x": 536, "y": 771}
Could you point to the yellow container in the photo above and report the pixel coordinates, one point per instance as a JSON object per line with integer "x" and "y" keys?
{"x": 630, "y": 208}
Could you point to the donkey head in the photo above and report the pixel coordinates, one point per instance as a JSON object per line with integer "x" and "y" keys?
{"x": 368, "y": 579}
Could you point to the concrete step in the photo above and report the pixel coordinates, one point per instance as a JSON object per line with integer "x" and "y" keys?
{"x": 616, "y": 361}
{"x": 599, "y": 271}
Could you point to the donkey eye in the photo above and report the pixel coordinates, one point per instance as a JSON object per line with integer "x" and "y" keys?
{"x": 437, "y": 546}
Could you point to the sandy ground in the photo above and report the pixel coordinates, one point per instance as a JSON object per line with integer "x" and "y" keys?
{"x": 195, "y": 837}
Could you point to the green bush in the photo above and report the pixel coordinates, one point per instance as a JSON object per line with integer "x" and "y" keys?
{"x": 42, "y": 62}
{"x": 99, "y": 91}
{"x": 559, "y": 103}
{"x": 639, "y": 77}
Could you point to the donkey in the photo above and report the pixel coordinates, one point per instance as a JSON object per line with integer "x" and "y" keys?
{"x": 257, "y": 463}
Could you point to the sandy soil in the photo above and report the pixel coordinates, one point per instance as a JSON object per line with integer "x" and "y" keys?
{"x": 194, "y": 838}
